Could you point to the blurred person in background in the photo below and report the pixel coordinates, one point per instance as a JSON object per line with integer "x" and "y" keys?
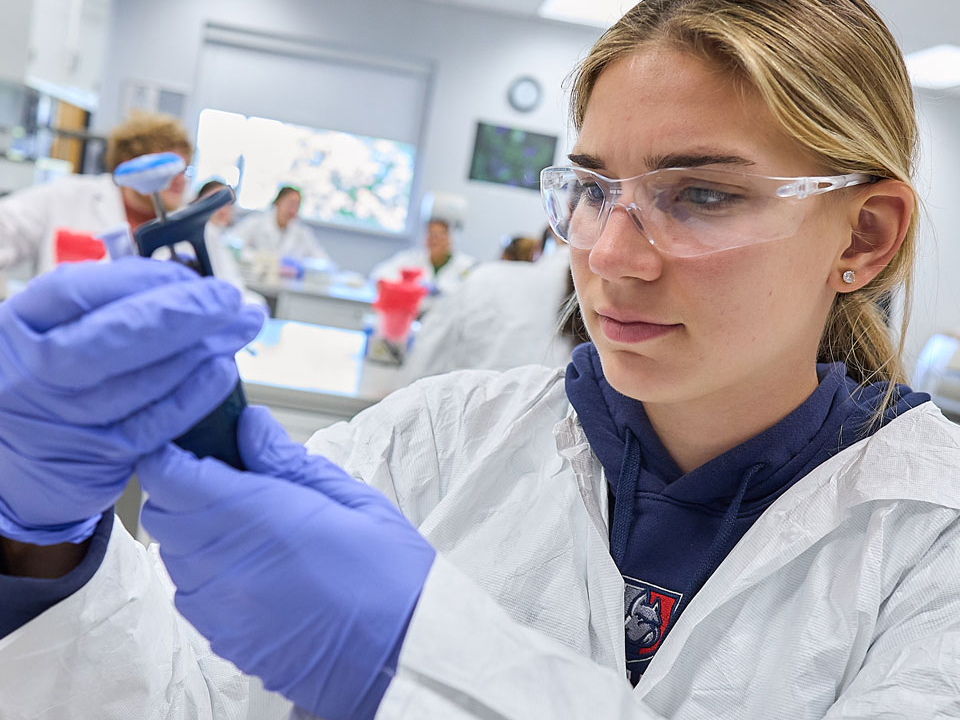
{"x": 505, "y": 314}
{"x": 521, "y": 248}
{"x": 218, "y": 238}
{"x": 279, "y": 230}
{"x": 443, "y": 267}
{"x": 222, "y": 218}
{"x": 92, "y": 204}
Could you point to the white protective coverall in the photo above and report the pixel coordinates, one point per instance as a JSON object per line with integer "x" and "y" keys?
{"x": 449, "y": 277}
{"x": 260, "y": 232}
{"x": 504, "y": 315}
{"x": 30, "y": 217}
{"x": 842, "y": 600}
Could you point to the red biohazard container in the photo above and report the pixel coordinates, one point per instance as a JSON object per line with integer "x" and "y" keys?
{"x": 398, "y": 303}
{"x": 73, "y": 246}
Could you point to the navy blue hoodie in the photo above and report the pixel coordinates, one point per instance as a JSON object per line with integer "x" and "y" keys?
{"x": 668, "y": 530}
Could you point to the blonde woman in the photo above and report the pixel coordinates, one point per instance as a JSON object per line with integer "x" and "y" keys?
{"x": 727, "y": 500}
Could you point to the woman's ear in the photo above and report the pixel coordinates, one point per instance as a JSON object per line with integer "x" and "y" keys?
{"x": 879, "y": 224}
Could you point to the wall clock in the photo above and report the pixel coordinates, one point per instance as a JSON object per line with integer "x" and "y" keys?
{"x": 524, "y": 94}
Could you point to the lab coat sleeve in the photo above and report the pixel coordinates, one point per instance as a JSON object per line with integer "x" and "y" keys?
{"x": 464, "y": 657}
{"x": 117, "y": 649}
{"x": 912, "y": 668}
{"x": 417, "y": 443}
{"x": 23, "y": 224}
{"x": 392, "y": 447}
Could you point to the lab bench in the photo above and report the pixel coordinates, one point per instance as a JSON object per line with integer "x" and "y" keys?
{"x": 334, "y": 305}
{"x": 311, "y": 376}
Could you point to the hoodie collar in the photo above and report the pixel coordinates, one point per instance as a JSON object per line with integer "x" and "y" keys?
{"x": 837, "y": 414}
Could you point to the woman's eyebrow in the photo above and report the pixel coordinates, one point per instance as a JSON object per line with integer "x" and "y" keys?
{"x": 673, "y": 160}
{"x": 689, "y": 160}
{"x": 590, "y": 162}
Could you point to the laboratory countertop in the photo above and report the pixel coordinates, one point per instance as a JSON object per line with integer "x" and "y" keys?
{"x": 339, "y": 291}
{"x": 313, "y": 368}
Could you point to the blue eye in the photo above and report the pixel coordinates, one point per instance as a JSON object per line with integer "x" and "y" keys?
{"x": 590, "y": 191}
{"x": 705, "y": 197}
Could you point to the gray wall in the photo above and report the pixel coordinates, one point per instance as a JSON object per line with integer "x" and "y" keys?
{"x": 476, "y": 56}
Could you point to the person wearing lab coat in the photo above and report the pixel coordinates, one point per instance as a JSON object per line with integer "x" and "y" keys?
{"x": 443, "y": 267}
{"x": 504, "y": 315}
{"x": 29, "y": 218}
{"x": 279, "y": 230}
{"x": 217, "y": 235}
{"x": 728, "y": 498}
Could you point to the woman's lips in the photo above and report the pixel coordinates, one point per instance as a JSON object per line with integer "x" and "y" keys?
{"x": 633, "y": 332}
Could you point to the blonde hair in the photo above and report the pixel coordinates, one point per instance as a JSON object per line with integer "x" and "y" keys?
{"x": 145, "y": 133}
{"x": 835, "y": 80}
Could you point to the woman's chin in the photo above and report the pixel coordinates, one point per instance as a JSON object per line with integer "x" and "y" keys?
{"x": 641, "y": 377}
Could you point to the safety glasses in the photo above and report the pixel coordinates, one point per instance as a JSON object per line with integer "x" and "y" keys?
{"x": 684, "y": 212}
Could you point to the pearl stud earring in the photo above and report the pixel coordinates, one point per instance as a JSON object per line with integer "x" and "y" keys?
{"x": 849, "y": 277}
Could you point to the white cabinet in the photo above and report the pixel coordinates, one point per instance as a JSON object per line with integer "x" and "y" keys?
{"x": 55, "y": 46}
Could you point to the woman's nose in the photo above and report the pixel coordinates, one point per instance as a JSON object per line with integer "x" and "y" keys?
{"x": 623, "y": 248}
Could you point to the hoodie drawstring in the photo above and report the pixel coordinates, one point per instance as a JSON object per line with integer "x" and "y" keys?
{"x": 718, "y": 548}
{"x": 624, "y": 499}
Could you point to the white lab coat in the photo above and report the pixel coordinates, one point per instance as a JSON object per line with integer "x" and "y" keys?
{"x": 260, "y": 232}
{"x": 842, "y": 600}
{"x": 449, "y": 277}
{"x": 224, "y": 264}
{"x": 504, "y": 315}
{"x": 30, "y": 217}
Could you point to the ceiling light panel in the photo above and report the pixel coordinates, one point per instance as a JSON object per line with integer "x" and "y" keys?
{"x": 598, "y": 13}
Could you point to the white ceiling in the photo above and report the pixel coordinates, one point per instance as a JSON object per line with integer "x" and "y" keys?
{"x": 526, "y": 8}
{"x": 916, "y": 23}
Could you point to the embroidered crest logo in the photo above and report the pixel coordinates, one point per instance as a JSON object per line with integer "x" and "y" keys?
{"x": 648, "y": 610}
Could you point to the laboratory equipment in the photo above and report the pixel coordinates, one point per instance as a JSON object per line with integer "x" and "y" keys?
{"x": 215, "y": 435}
{"x": 71, "y": 246}
{"x": 396, "y": 307}
{"x": 118, "y": 242}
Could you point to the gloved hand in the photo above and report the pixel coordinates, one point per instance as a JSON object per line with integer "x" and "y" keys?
{"x": 100, "y": 364}
{"x": 294, "y": 571}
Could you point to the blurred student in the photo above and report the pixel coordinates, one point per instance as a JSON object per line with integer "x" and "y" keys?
{"x": 443, "y": 267}
{"x": 504, "y": 315}
{"x": 30, "y": 217}
{"x": 279, "y": 230}
{"x": 217, "y": 237}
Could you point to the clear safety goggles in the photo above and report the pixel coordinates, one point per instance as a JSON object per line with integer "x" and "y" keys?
{"x": 684, "y": 212}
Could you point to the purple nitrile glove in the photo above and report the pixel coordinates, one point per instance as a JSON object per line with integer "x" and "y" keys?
{"x": 99, "y": 365}
{"x": 294, "y": 571}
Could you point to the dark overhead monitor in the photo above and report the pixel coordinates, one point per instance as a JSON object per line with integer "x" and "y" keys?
{"x": 510, "y": 156}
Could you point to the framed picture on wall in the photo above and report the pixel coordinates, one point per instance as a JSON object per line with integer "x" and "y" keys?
{"x": 511, "y": 156}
